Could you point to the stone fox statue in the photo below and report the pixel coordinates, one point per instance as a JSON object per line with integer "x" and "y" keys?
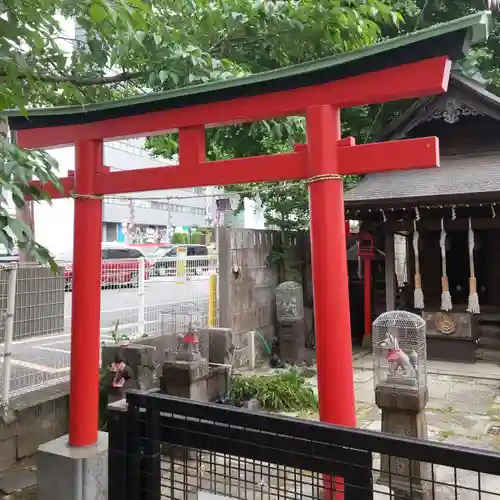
{"x": 397, "y": 358}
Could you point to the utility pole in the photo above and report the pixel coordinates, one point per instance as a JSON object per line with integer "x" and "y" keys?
{"x": 169, "y": 220}
{"x": 131, "y": 221}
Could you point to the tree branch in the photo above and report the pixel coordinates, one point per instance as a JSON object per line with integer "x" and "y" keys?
{"x": 89, "y": 81}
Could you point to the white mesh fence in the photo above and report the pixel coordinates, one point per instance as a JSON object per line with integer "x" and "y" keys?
{"x": 139, "y": 297}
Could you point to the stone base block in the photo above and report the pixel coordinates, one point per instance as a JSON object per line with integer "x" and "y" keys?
{"x": 410, "y": 399}
{"x": 408, "y": 479}
{"x": 292, "y": 337}
{"x": 65, "y": 472}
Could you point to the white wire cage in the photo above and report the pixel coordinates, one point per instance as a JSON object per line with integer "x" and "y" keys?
{"x": 399, "y": 351}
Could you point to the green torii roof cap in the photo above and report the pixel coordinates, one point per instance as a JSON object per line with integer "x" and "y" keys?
{"x": 452, "y": 39}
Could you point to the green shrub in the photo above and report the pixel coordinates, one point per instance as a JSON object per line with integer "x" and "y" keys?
{"x": 179, "y": 238}
{"x": 283, "y": 391}
{"x": 196, "y": 238}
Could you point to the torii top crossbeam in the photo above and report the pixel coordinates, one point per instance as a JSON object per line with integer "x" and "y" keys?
{"x": 411, "y": 66}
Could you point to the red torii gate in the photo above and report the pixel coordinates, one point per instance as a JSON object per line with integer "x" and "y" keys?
{"x": 407, "y": 67}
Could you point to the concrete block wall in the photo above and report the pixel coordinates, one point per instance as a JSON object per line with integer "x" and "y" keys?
{"x": 34, "y": 418}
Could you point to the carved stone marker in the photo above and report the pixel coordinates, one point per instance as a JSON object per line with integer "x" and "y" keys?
{"x": 400, "y": 374}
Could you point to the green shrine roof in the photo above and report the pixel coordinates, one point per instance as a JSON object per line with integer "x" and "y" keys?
{"x": 452, "y": 39}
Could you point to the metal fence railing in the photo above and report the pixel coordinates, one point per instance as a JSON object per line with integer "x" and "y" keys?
{"x": 170, "y": 294}
{"x": 163, "y": 447}
{"x": 139, "y": 297}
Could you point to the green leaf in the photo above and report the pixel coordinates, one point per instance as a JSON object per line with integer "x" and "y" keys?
{"x": 97, "y": 12}
{"x": 163, "y": 74}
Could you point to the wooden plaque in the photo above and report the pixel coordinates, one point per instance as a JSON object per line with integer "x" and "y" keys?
{"x": 452, "y": 325}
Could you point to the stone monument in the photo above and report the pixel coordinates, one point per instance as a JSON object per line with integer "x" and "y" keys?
{"x": 185, "y": 370}
{"x": 400, "y": 375}
{"x": 291, "y": 322}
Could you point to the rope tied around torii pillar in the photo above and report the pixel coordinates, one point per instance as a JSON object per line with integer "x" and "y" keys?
{"x": 446, "y": 303}
{"x": 473, "y": 306}
{"x": 418, "y": 294}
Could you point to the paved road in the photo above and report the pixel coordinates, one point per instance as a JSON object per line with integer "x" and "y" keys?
{"x": 168, "y": 305}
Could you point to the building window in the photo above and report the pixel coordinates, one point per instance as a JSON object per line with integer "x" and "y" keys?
{"x": 111, "y": 232}
{"x": 159, "y": 206}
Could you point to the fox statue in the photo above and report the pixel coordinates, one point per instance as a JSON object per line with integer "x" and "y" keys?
{"x": 397, "y": 358}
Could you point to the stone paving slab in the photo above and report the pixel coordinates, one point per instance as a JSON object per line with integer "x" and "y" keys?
{"x": 17, "y": 480}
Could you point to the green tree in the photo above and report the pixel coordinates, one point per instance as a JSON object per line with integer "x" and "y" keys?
{"x": 259, "y": 36}
{"x": 37, "y": 69}
{"x": 129, "y": 48}
{"x": 135, "y": 46}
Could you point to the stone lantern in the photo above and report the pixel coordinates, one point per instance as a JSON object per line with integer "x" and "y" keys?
{"x": 291, "y": 324}
{"x": 400, "y": 376}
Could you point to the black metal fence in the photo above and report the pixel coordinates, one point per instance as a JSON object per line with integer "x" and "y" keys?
{"x": 163, "y": 447}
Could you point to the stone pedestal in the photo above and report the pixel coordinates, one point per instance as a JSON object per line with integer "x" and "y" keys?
{"x": 186, "y": 379}
{"x": 65, "y": 472}
{"x": 291, "y": 337}
{"x": 403, "y": 415}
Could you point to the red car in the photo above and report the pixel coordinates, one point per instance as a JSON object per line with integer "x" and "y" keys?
{"x": 119, "y": 266}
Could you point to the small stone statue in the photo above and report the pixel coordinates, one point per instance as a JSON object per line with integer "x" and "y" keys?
{"x": 398, "y": 359}
{"x": 121, "y": 372}
{"x": 187, "y": 346}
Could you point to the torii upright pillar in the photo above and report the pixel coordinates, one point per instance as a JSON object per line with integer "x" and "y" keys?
{"x": 329, "y": 268}
{"x": 86, "y": 297}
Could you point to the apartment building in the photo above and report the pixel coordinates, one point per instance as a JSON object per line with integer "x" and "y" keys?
{"x": 138, "y": 217}
{"x": 151, "y": 215}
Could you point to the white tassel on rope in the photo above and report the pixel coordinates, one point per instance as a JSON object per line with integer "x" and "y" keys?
{"x": 446, "y": 304}
{"x": 360, "y": 265}
{"x": 418, "y": 297}
{"x": 473, "y": 307}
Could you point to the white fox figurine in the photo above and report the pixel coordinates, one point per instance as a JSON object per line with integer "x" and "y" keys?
{"x": 397, "y": 358}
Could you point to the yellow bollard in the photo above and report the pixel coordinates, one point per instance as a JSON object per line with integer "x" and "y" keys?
{"x": 181, "y": 265}
{"x": 212, "y": 301}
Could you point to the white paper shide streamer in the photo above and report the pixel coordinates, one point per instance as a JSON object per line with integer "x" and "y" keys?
{"x": 473, "y": 306}
{"x": 446, "y": 304}
{"x": 418, "y": 296}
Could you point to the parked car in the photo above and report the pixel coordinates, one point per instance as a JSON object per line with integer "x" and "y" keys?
{"x": 149, "y": 249}
{"x": 119, "y": 266}
{"x": 164, "y": 261}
